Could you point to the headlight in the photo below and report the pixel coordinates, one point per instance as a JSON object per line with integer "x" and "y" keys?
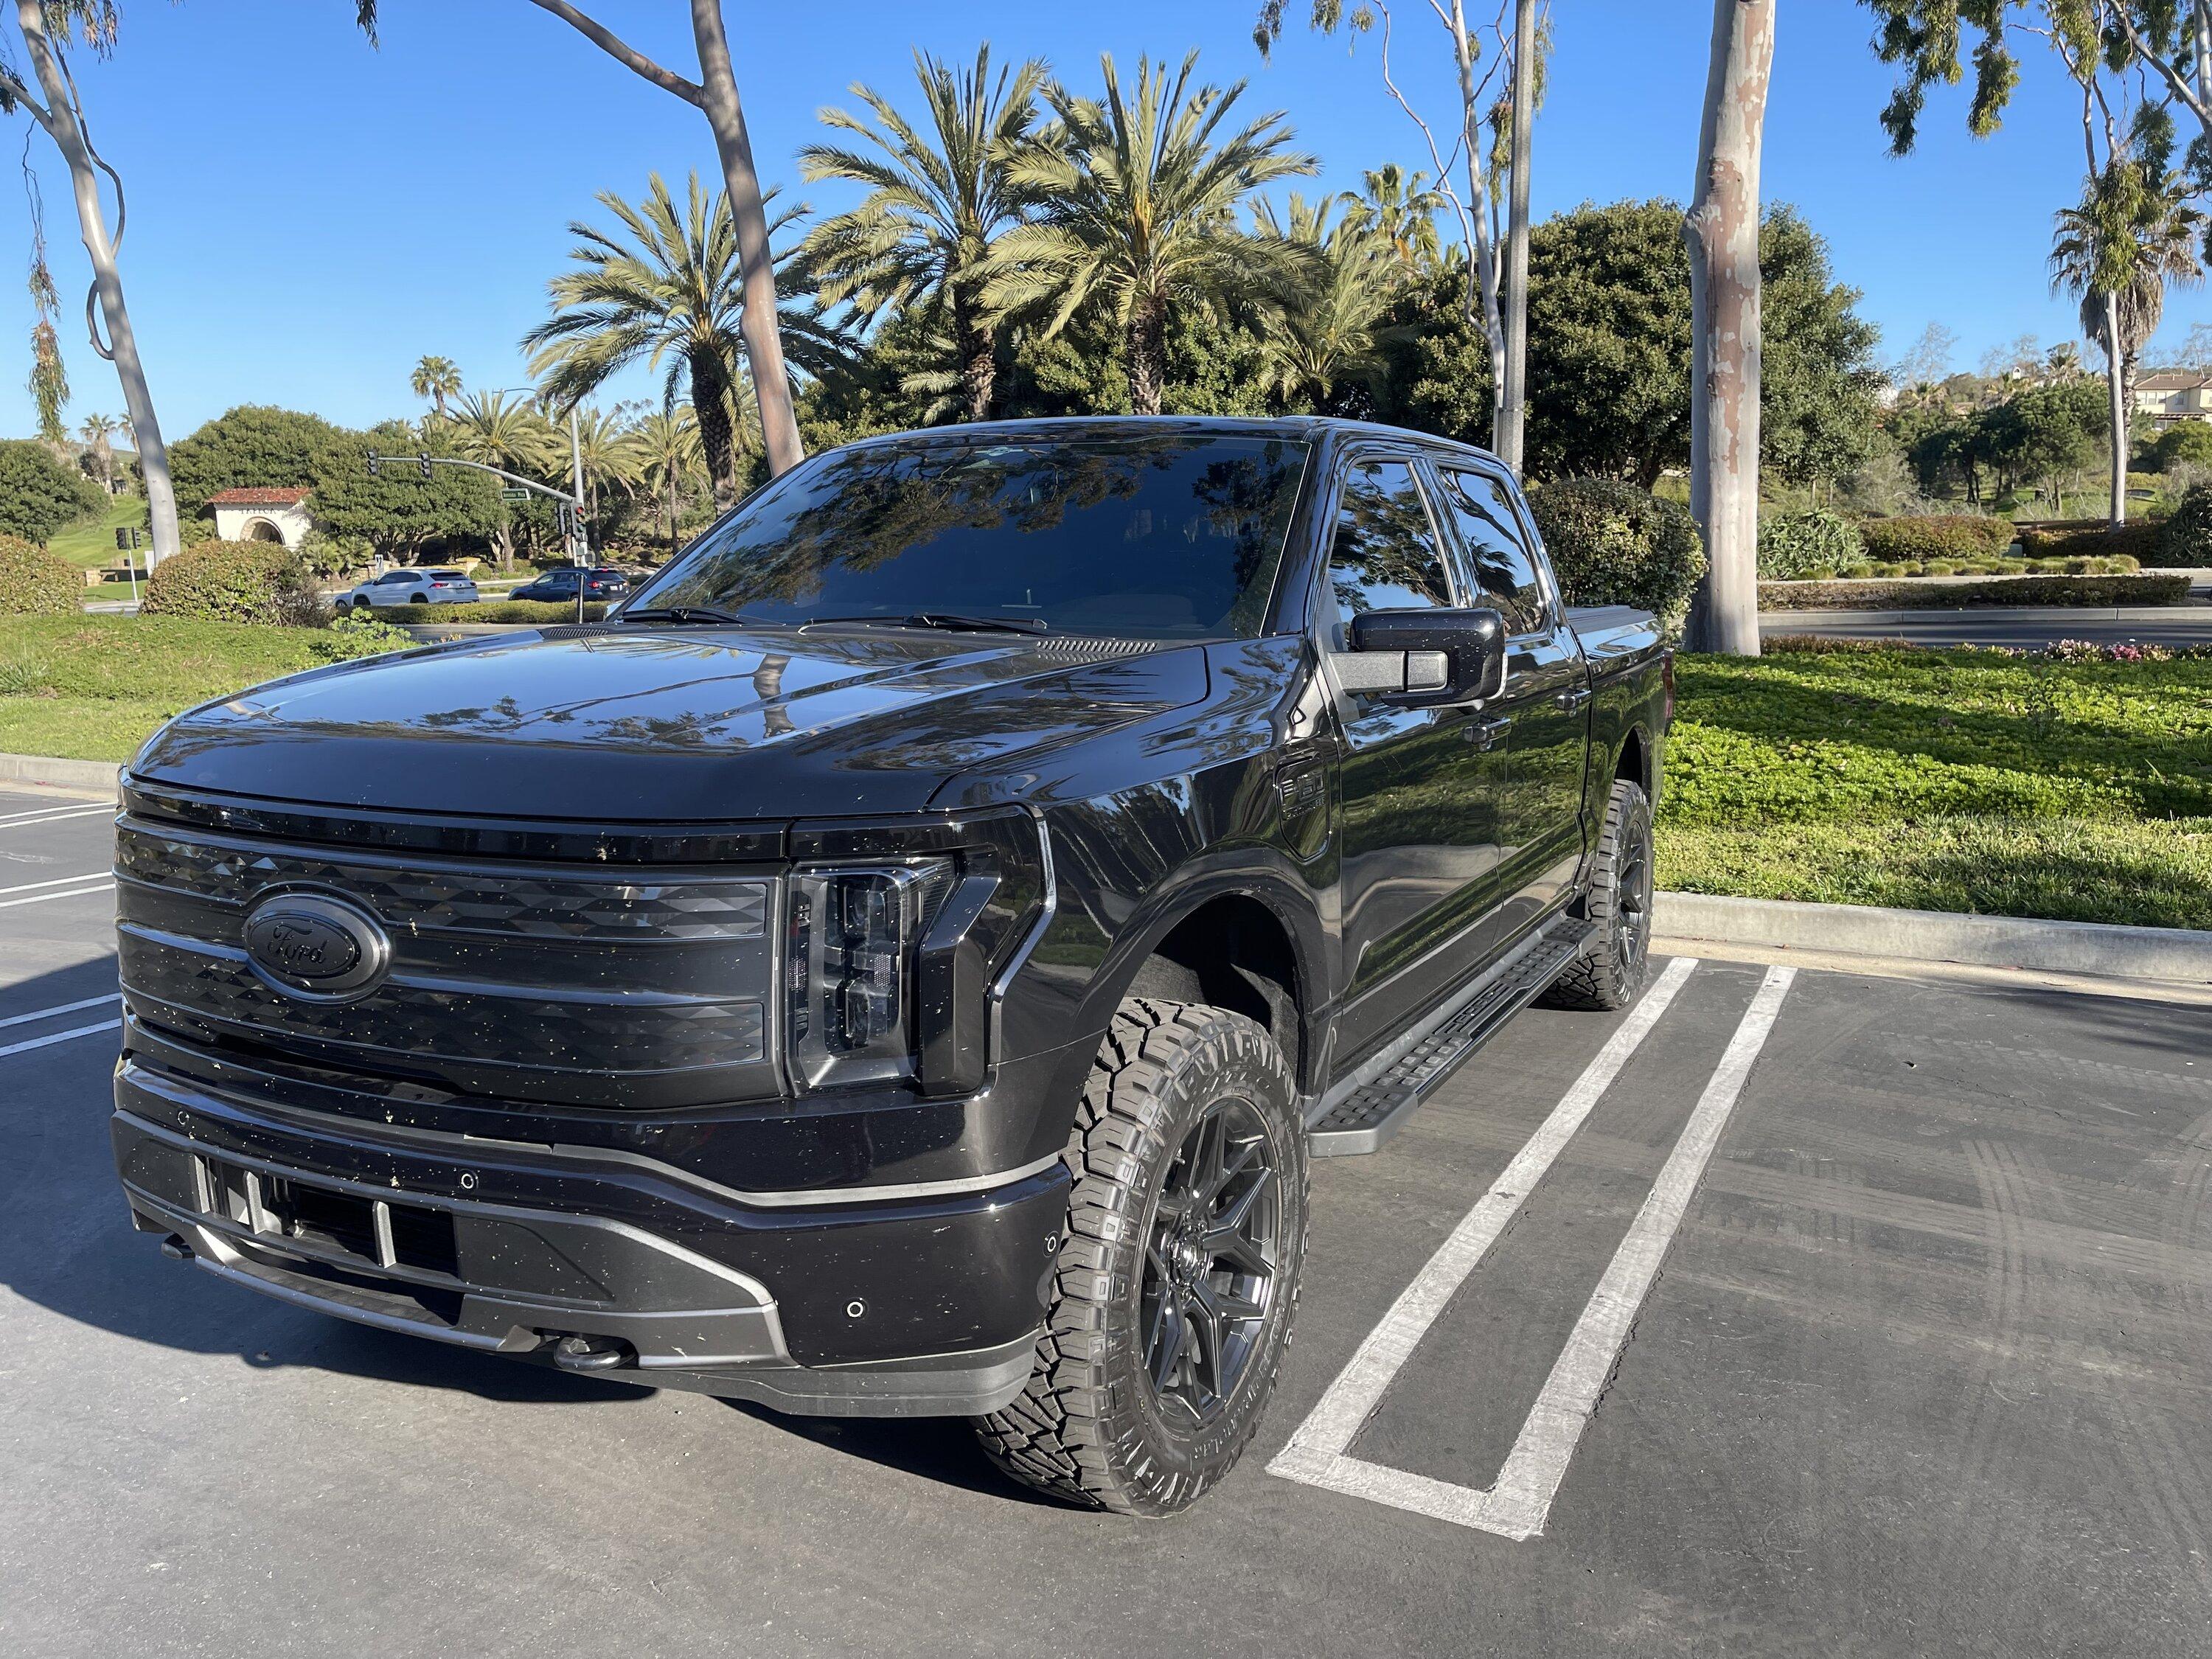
{"x": 849, "y": 965}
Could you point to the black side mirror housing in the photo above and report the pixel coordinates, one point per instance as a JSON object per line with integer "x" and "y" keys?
{"x": 1419, "y": 657}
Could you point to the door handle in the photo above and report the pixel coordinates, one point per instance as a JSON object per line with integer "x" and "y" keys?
{"x": 1484, "y": 734}
{"x": 1574, "y": 697}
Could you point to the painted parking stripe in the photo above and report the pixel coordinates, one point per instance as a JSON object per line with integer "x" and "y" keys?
{"x": 37, "y": 1014}
{"x": 50, "y": 814}
{"x": 59, "y": 881}
{"x": 74, "y": 892}
{"x": 52, "y": 1037}
{"x": 1517, "y": 1504}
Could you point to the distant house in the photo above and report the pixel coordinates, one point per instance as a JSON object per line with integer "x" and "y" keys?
{"x": 263, "y": 516}
{"x": 2169, "y": 395}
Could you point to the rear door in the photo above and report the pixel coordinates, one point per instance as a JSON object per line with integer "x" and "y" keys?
{"x": 1545, "y": 710}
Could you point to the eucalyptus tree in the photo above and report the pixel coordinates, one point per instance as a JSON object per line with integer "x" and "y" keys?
{"x": 668, "y": 287}
{"x": 940, "y": 194}
{"x": 436, "y": 379}
{"x": 47, "y": 28}
{"x": 715, "y": 95}
{"x": 1330, "y": 337}
{"x": 1142, "y": 195}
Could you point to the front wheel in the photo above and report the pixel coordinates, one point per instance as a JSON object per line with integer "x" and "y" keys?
{"x": 1611, "y": 970}
{"x": 1179, "y": 1278}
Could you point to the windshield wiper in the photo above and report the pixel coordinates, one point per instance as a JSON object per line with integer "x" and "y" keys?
{"x": 945, "y": 621}
{"x": 686, "y": 613}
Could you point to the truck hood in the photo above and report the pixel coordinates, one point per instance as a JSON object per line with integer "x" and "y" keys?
{"x": 672, "y": 724}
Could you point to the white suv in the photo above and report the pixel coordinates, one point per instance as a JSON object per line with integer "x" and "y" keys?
{"x": 410, "y": 587}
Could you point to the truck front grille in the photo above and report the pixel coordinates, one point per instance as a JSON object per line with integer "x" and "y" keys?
{"x": 578, "y": 985}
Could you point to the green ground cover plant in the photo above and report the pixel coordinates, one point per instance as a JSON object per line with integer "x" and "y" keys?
{"x": 1907, "y": 592}
{"x": 1961, "y": 781}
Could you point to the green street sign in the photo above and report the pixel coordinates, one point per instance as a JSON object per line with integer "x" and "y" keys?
{"x": 513, "y": 495}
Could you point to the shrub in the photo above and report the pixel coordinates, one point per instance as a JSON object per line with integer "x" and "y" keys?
{"x": 236, "y": 581}
{"x": 1939, "y": 536}
{"x": 1797, "y": 545}
{"x": 2188, "y": 538}
{"x": 2187, "y": 443}
{"x": 39, "y": 496}
{"x": 2139, "y": 539}
{"x": 2023, "y": 590}
{"x": 358, "y": 635}
{"x": 1611, "y": 544}
{"x": 36, "y": 583}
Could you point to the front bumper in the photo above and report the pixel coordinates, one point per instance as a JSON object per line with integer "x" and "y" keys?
{"x": 921, "y": 1304}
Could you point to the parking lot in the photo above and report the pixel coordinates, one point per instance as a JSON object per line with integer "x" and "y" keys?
{"x": 1790, "y": 1312}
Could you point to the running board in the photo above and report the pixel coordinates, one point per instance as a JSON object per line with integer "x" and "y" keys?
{"x": 1362, "y": 1113}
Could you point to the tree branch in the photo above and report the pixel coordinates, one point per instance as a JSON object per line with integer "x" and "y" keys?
{"x": 14, "y": 93}
{"x": 2176, "y": 81}
{"x": 622, "y": 52}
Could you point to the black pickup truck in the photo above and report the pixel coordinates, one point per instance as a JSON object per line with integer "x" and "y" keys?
{"x": 902, "y": 961}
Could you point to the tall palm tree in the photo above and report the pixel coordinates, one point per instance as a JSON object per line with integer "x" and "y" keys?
{"x": 672, "y": 295}
{"x": 940, "y": 195}
{"x": 436, "y": 379}
{"x": 1402, "y": 208}
{"x": 1142, "y": 197}
{"x": 96, "y": 430}
{"x": 607, "y": 448}
{"x": 2133, "y": 234}
{"x": 1328, "y": 338}
{"x": 669, "y": 457}
{"x": 510, "y": 434}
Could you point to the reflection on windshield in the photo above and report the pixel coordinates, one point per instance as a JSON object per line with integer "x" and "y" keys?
{"x": 1169, "y": 536}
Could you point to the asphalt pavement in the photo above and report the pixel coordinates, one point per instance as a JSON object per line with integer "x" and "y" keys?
{"x": 1788, "y": 1313}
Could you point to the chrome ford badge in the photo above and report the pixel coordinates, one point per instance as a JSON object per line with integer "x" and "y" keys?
{"x": 310, "y": 945}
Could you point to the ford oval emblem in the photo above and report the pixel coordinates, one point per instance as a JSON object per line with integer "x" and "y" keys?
{"x": 309, "y": 945}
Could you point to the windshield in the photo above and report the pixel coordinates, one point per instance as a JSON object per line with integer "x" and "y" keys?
{"x": 1169, "y": 537}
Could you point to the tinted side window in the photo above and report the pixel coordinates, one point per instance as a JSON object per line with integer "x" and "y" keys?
{"x": 1385, "y": 556}
{"x": 1503, "y": 574}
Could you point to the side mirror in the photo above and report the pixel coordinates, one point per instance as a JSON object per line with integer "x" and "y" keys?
{"x": 1419, "y": 657}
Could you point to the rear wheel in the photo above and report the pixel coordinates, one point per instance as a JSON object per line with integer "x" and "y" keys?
{"x": 1611, "y": 970}
{"x": 1176, "y": 1286}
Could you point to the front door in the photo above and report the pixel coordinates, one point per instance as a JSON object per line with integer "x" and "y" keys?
{"x": 1418, "y": 836}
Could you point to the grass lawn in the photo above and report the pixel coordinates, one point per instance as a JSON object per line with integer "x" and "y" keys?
{"x": 1936, "y": 781}
{"x": 93, "y": 542}
{"x": 1945, "y": 780}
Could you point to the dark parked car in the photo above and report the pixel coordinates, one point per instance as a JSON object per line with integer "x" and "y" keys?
{"x": 603, "y": 582}
{"x": 902, "y": 963}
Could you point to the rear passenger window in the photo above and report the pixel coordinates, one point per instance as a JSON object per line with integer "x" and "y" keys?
{"x": 1498, "y": 565}
{"x": 1385, "y": 556}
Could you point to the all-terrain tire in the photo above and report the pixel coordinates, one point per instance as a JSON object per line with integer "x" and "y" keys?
{"x": 1612, "y": 967}
{"x": 1091, "y": 1428}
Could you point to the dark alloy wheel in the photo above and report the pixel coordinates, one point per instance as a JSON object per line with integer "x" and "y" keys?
{"x": 1173, "y": 1296}
{"x": 1611, "y": 970}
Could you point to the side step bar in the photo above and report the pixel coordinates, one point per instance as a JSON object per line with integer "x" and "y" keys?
{"x": 1364, "y": 1110}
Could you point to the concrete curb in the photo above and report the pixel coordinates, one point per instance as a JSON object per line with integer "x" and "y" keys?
{"x": 96, "y": 778}
{"x": 2171, "y": 954}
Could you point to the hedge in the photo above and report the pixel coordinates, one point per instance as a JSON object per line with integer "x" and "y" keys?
{"x": 1612, "y": 543}
{"x": 1797, "y": 545}
{"x": 36, "y": 583}
{"x": 2140, "y": 540}
{"x": 1941, "y": 536}
{"x": 2188, "y": 531}
{"x": 493, "y": 611}
{"x": 1909, "y": 594}
{"x": 236, "y": 581}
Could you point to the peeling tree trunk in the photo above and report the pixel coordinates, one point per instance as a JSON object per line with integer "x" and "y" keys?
{"x": 1721, "y": 229}
{"x": 2116, "y": 385}
{"x": 1484, "y": 258}
{"x": 1513, "y": 405}
{"x": 759, "y": 324}
{"x": 59, "y": 120}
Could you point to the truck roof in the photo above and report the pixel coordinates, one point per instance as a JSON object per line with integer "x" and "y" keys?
{"x": 1306, "y": 427}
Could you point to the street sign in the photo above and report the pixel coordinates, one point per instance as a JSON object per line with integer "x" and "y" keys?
{"x": 511, "y": 495}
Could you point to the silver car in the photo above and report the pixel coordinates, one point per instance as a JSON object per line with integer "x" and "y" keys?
{"x": 410, "y": 587}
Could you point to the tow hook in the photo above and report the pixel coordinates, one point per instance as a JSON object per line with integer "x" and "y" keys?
{"x": 175, "y": 1248}
{"x": 592, "y": 1353}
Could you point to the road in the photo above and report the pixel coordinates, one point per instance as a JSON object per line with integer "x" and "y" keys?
{"x": 1810, "y": 1313}
{"x": 2167, "y": 625}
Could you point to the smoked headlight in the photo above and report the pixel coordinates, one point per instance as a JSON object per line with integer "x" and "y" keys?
{"x": 849, "y": 965}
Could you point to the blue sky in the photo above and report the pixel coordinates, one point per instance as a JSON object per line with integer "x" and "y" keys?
{"x": 308, "y": 216}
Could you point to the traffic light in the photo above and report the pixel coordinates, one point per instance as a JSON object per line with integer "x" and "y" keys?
{"x": 424, "y": 458}
{"x": 375, "y": 466}
{"x": 123, "y": 541}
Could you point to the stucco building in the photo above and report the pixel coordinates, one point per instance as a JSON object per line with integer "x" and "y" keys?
{"x": 263, "y": 516}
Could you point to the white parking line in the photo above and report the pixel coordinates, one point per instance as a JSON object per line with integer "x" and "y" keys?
{"x": 74, "y": 892}
{"x": 1516, "y": 1505}
{"x": 59, "y": 881}
{"x": 59, "y": 1008}
{"x": 52, "y": 814}
{"x": 52, "y": 1037}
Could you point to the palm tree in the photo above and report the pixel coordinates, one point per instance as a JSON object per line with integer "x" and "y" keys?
{"x": 669, "y": 456}
{"x": 940, "y": 197}
{"x": 96, "y": 430}
{"x": 2132, "y": 234}
{"x": 607, "y": 448}
{"x": 437, "y": 379}
{"x": 1328, "y": 338}
{"x": 514, "y": 435}
{"x": 1141, "y": 217}
{"x": 1402, "y": 209}
{"x": 671, "y": 293}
